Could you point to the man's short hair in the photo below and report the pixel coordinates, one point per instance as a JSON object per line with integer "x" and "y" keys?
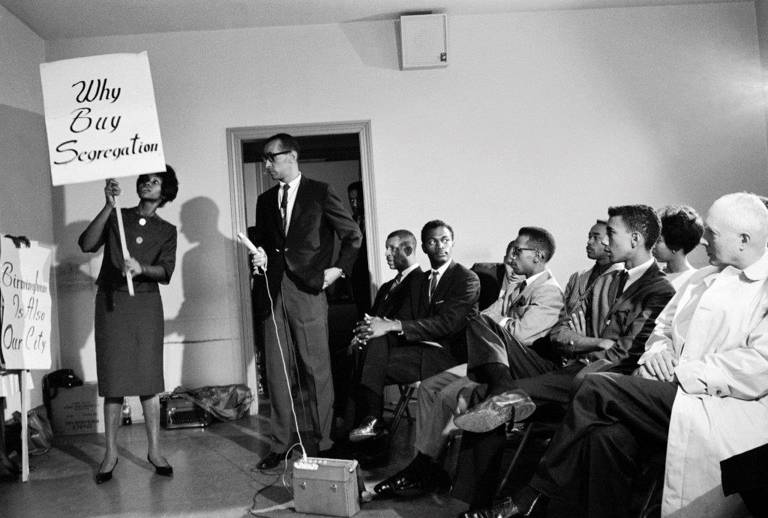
{"x": 541, "y": 238}
{"x": 681, "y": 227}
{"x": 405, "y": 236}
{"x": 355, "y": 186}
{"x": 639, "y": 218}
{"x": 601, "y": 222}
{"x": 431, "y": 225}
{"x": 286, "y": 141}
{"x": 746, "y": 212}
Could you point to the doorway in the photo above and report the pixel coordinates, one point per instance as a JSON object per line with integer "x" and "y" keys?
{"x": 337, "y": 153}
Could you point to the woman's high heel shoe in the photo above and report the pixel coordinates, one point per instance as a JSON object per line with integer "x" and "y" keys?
{"x": 163, "y": 471}
{"x": 106, "y": 476}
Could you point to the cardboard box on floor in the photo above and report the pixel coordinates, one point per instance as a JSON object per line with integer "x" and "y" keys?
{"x": 80, "y": 410}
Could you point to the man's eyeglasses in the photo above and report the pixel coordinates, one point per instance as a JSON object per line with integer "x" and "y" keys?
{"x": 517, "y": 250}
{"x": 270, "y": 157}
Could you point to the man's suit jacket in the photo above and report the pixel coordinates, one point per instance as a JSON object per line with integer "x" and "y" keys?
{"x": 632, "y": 317}
{"x": 532, "y": 312}
{"x": 444, "y": 319}
{"x": 304, "y": 254}
{"x": 403, "y": 302}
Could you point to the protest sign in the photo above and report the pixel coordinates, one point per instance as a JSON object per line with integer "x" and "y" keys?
{"x": 26, "y": 328}
{"x": 101, "y": 118}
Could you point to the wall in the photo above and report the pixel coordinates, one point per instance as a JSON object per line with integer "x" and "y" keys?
{"x": 25, "y": 198}
{"x": 541, "y": 118}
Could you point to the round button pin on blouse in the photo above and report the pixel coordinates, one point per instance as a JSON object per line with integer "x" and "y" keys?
{"x": 139, "y": 240}
{"x": 142, "y": 222}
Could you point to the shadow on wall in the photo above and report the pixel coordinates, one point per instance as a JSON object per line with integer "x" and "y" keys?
{"x": 76, "y": 290}
{"x": 202, "y": 321}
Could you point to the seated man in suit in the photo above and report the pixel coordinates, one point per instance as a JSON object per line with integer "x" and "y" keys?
{"x": 528, "y": 305}
{"x": 396, "y": 299}
{"x": 607, "y": 333}
{"x": 409, "y": 350}
{"x": 699, "y": 394}
{"x": 681, "y": 230}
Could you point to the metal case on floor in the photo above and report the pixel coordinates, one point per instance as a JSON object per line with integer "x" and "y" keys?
{"x": 178, "y": 412}
{"x": 326, "y": 486}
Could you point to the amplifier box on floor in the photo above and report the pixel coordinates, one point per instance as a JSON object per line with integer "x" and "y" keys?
{"x": 325, "y": 486}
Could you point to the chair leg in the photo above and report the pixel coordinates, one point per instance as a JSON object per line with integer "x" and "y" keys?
{"x": 402, "y": 406}
{"x": 515, "y": 458}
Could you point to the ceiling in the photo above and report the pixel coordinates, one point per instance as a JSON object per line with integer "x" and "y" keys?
{"x": 61, "y": 19}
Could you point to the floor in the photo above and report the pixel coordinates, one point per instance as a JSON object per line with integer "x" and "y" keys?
{"x": 214, "y": 476}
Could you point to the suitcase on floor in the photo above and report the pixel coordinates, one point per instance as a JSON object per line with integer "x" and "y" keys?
{"x": 179, "y": 412}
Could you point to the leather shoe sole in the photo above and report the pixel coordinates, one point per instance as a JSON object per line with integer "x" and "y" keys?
{"x": 370, "y": 429}
{"x": 504, "y": 509}
{"x": 495, "y": 411}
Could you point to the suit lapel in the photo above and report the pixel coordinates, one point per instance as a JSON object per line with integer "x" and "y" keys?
{"x": 633, "y": 288}
{"x": 298, "y": 204}
{"x": 528, "y": 289}
{"x": 442, "y": 284}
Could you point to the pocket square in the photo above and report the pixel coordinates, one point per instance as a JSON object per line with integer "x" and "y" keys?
{"x": 439, "y": 302}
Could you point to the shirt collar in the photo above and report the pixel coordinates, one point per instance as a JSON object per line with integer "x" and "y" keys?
{"x": 293, "y": 183}
{"x": 408, "y": 270}
{"x": 530, "y": 280}
{"x": 635, "y": 273}
{"x": 441, "y": 270}
{"x": 757, "y": 271}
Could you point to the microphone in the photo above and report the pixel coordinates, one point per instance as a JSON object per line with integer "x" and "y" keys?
{"x": 251, "y": 247}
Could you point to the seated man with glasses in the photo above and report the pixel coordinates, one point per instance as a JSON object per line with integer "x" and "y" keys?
{"x": 528, "y": 305}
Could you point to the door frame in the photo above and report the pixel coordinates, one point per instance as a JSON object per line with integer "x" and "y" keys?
{"x": 235, "y": 139}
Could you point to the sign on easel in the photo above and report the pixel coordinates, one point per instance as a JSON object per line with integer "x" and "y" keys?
{"x": 101, "y": 118}
{"x": 26, "y": 329}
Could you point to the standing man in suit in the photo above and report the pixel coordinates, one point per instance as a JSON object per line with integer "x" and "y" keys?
{"x": 429, "y": 343}
{"x": 295, "y": 226}
{"x": 637, "y": 294}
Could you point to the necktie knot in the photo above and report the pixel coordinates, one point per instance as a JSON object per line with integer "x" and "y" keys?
{"x": 433, "y": 283}
{"x": 284, "y": 199}
{"x": 284, "y": 207}
{"x": 621, "y": 282}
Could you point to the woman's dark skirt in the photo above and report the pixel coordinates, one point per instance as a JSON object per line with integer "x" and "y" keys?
{"x": 129, "y": 343}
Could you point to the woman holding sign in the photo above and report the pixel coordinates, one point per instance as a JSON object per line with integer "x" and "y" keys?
{"x": 129, "y": 329}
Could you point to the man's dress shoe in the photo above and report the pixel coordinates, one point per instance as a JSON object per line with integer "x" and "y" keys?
{"x": 408, "y": 483}
{"x": 368, "y": 429}
{"x": 405, "y": 483}
{"x": 271, "y": 460}
{"x": 495, "y": 411}
{"x": 504, "y": 509}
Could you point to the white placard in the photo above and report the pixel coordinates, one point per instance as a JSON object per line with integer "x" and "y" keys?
{"x": 101, "y": 118}
{"x": 26, "y": 329}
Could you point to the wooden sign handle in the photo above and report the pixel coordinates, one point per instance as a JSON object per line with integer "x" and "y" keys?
{"x": 124, "y": 245}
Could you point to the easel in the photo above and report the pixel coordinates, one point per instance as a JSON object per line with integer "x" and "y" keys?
{"x": 23, "y": 381}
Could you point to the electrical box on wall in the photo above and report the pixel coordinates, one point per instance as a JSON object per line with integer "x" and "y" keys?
{"x": 423, "y": 41}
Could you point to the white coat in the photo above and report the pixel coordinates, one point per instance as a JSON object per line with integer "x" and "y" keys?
{"x": 717, "y": 328}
